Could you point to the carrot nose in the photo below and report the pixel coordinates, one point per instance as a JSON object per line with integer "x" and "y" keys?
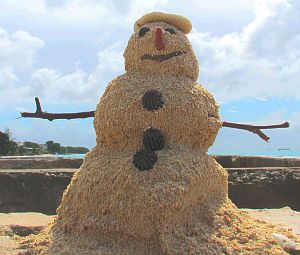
{"x": 159, "y": 38}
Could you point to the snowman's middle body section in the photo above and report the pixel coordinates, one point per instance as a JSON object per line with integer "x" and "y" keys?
{"x": 189, "y": 116}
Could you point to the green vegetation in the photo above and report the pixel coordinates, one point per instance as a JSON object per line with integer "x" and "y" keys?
{"x": 9, "y": 147}
{"x": 57, "y": 148}
{"x": 4, "y": 143}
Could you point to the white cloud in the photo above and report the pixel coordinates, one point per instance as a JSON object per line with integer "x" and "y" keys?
{"x": 20, "y": 7}
{"x": 137, "y": 8}
{"x": 79, "y": 12}
{"x": 278, "y": 116}
{"x": 51, "y": 86}
{"x": 7, "y": 77}
{"x": 78, "y": 86}
{"x": 283, "y": 115}
{"x": 18, "y": 49}
{"x": 64, "y": 11}
{"x": 261, "y": 61}
{"x": 83, "y": 11}
{"x": 229, "y": 5}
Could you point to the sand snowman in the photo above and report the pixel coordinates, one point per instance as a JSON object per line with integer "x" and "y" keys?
{"x": 148, "y": 187}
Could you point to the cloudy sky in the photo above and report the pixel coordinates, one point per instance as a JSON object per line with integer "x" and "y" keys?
{"x": 65, "y": 52}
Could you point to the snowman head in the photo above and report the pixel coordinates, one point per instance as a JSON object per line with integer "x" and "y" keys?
{"x": 159, "y": 46}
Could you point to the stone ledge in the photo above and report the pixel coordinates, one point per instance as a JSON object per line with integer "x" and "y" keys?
{"x": 263, "y": 175}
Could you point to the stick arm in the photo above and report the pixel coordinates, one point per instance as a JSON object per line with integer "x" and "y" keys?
{"x": 255, "y": 129}
{"x": 54, "y": 116}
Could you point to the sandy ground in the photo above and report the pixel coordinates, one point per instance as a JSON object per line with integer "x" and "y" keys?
{"x": 283, "y": 216}
{"x": 28, "y": 219}
{"x": 8, "y": 246}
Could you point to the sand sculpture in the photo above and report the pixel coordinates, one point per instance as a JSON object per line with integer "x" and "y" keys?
{"x": 148, "y": 187}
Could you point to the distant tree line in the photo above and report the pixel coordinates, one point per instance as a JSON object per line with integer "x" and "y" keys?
{"x": 9, "y": 147}
{"x": 57, "y": 148}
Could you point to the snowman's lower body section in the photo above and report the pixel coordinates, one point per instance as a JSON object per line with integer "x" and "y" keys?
{"x": 111, "y": 208}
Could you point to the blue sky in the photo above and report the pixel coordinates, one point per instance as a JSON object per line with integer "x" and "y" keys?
{"x": 66, "y": 52}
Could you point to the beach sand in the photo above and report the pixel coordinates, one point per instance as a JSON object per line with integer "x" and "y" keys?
{"x": 9, "y": 242}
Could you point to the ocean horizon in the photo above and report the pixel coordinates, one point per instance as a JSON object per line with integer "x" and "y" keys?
{"x": 274, "y": 153}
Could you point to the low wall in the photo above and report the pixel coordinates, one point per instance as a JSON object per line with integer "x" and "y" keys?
{"x": 40, "y": 189}
{"x": 264, "y": 187}
{"x": 33, "y": 191}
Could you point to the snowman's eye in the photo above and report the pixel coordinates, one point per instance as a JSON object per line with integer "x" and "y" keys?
{"x": 143, "y": 31}
{"x": 170, "y": 30}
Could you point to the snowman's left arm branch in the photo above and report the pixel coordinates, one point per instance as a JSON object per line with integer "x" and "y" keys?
{"x": 54, "y": 116}
{"x": 255, "y": 129}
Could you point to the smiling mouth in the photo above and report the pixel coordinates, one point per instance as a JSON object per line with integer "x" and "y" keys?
{"x": 161, "y": 58}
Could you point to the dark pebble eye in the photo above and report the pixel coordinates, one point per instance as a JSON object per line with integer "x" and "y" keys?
{"x": 170, "y": 30}
{"x": 143, "y": 31}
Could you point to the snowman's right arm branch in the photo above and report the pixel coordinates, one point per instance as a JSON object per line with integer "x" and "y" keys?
{"x": 54, "y": 116}
{"x": 255, "y": 129}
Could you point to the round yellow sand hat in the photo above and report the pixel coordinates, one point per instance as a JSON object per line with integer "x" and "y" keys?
{"x": 176, "y": 20}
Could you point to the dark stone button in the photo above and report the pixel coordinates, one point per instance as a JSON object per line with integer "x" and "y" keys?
{"x": 152, "y": 100}
{"x": 144, "y": 159}
{"x": 153, "y": 139}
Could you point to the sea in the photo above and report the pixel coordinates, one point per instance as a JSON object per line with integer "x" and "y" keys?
{"x": 274, "y": 153}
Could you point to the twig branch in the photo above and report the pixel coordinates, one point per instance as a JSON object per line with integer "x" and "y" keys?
{"x": 255, "y": 129}
{"x": 54, "y": 116}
